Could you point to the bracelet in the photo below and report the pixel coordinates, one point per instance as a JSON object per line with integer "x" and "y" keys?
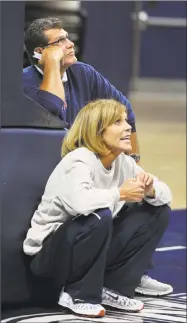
{"x": 154, "y": 195}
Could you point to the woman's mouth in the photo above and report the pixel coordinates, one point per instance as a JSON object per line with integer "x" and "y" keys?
{"x": 126, "y": 138}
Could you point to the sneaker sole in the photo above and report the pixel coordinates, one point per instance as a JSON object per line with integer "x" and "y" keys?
{"x": 120, "y": 308}
{"x": 100, "y": 314}
{"x": 149, "y": 292}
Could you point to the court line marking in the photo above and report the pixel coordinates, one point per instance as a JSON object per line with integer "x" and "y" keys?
{"x": 171, "y": 248}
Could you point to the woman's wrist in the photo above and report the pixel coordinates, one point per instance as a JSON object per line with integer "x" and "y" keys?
{"x": 151, "y": 194}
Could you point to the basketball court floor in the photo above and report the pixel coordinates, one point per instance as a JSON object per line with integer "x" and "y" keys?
{"x": 161, "y": 126}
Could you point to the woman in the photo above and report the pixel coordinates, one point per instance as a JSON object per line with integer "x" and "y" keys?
{"x": 85, "y": 236}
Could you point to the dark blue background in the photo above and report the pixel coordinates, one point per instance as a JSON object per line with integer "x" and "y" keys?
{"x": 108, "y": 44}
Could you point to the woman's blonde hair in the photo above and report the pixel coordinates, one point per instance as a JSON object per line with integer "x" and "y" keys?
{"x": 88, "y": 127}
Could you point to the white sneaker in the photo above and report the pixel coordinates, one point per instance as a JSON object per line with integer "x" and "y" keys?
{"x": 152, "y": 287}
{"x": 80, "y": 307}
{"x": 116, "y": 300}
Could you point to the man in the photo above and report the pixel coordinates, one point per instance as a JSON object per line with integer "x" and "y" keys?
{"x": 81, "y": 82}
{"x": 63, "y": 86}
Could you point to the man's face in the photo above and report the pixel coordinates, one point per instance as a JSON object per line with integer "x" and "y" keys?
{"x": 59, "y": 37}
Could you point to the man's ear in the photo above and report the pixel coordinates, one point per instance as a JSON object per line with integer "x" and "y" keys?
{"x": 38, "y": 50}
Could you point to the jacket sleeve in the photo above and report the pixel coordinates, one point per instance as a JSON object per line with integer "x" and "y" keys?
{"x": 79, "y": 195}
{"x": 46, "y": 99}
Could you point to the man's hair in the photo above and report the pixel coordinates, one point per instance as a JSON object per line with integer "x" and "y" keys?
{"x": 34, "y": 35}
{"x": 89, "y": 125}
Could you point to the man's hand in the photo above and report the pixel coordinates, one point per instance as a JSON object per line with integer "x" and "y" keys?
{"x": 132, "y": 190}
{"x": 52, "y": 62}
{"x": 52, "y": 54}
{"x": 147, "y": 180}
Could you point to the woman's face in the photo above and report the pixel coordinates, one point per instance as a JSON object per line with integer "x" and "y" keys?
{"x": 117, "y": 136}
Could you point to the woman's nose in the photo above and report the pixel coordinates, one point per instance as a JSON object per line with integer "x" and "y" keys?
{"x": 127, "y": 127}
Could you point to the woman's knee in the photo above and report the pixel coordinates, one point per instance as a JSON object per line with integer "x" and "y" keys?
{"x": 104, "y": 217}
{"x": 164, "y": 215}
{"x": 100, "y": 220}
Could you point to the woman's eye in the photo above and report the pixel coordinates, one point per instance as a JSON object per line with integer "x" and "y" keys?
{"x": 118, "y": 121}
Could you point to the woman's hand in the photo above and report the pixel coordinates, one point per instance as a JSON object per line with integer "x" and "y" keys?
{"x": 147, "y": 179}
{"x": 132, "y": 190}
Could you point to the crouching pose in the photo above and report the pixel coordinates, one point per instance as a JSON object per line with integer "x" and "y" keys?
{"x": 100, "y": 218}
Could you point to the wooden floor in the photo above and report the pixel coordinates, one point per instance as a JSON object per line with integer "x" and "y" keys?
{"x": 161, "y": 127}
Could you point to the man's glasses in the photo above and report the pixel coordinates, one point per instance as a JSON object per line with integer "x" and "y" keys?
{"x": 60, "y": 41}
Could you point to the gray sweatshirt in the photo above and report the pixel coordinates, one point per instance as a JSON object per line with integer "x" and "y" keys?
{"x": 79, "y": 185}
